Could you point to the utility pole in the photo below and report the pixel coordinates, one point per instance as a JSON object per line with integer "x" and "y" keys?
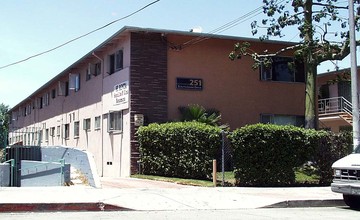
{"x": 354, "y": 81}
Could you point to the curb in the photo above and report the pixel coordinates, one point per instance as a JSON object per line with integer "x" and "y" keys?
{"x": 49, "y": 207}
{"x": 307, "y": 203}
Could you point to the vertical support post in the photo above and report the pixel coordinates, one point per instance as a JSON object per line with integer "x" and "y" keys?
{"x": 223, "y": 157}
{"x": 62, "y": 161}
{"x": 214, "y": 173}
{"x": 354, "y": 82}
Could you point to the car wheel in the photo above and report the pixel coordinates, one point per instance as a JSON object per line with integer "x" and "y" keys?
{"x": 352, "y": 201}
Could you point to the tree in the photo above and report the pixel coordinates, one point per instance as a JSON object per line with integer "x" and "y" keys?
{"x": 4, "y": 124}
{"x": 198, "y": 113}
{"x": 313, "y": 19}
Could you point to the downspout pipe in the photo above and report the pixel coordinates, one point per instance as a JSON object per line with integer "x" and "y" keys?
{"x": 102, "y": 105}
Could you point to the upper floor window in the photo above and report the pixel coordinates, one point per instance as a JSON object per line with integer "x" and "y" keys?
{"x": 281, "y": 69}
{"x": 45, "y": 99}
{"x": 93, "y": 70}
{"x": 74, "y": 82}
{"x": 116, "y": 62}
{"x": 53, "y": 93}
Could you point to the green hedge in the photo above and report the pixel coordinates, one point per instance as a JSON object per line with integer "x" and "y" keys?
{"x": 178, "y": 149}
{"x": 330, "y": 149}
{"x": 266, "y": 154}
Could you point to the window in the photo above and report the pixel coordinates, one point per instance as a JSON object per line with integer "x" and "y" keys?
{"x": 280, "y": 70}
{"x": 28, "y": 109}
{"x": 116, "y": 62}
{"x": 45, "y": 99}
{"x": 66, "y": 131}
{"x": 88, "y": 73}
{"x": 87, "y": 124}
{"x": 46, "y": 135}
{"x": 76, "y": 129}
{"x": 97, "y": 123}
{"x": 115, "y": 121}
{"x": 41, "y": 137}
{"x": 58, "y": 130}
{"x": 97, "y": 69}
{"x": 282, "y": 119}
{"x": 93, "y": 70}
{"x": 74, "y": 82}
{"x": 53, "y": 93}
{"x": 66, "y": 88}
{"x": 41, "y": 102}
{"x": 63, "y": 88}
{"x": 52, "y": 131}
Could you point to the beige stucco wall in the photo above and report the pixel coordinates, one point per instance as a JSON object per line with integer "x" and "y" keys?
{"x": 92, "y": 100}
{"x": 232, "y": 87}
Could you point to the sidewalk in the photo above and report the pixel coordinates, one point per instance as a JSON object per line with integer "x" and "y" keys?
{"x": 136, "y": 194}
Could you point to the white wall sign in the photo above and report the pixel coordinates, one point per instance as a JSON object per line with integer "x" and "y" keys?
{"x": 120, "y": 95}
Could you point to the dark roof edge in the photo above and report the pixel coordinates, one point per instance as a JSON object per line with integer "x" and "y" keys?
{"x": 336, "y": 71}
{"x": 127, "y": 29}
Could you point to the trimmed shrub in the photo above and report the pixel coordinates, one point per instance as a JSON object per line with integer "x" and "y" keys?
{"x": 331, "y": 148}
{"x": 178, "y": 149}
{"x": 266, "y": 154}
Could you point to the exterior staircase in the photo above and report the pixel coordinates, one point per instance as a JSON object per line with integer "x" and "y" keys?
{"x": 335, "y": 109}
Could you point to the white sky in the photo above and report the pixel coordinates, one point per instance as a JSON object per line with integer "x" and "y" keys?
{"x": 29, "y": 27}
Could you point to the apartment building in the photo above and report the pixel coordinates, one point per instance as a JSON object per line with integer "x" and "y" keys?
{"x": 335, "y": 108}
{"x": 140, "y": 76}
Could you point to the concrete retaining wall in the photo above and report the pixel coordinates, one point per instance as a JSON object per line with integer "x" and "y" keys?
{"x": 81, "y": 160}
{"x": 39, "y": 173}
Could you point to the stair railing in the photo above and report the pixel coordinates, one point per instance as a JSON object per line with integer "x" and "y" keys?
{"x": 334, "y": 105}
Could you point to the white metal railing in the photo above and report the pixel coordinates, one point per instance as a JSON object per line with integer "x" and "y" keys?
{"x": 334, "y": 105}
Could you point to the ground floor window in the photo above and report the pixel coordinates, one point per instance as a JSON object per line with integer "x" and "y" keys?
{"x": 87, "y": 124}
{"x": 76, "y": 129}
{"x": 115, "y": 121}
{"x": 66, "y": 131}
{"x": 97, "y": 123}
{"x": 282, "y": 119}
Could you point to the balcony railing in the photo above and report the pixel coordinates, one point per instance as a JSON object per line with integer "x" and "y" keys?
{"x": 334, "y": 105}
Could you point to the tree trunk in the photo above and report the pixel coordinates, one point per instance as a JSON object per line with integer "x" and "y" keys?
{"x": 311, "y": 111}
{"x": 311, "y": 119}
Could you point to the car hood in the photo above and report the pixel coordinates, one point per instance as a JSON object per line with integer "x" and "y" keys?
{"x": 351, "y": 161}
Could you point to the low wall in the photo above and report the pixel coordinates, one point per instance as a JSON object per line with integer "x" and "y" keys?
{"x": 81, "y": 160}
{"x": 4, "y": 175}
{"x": 39, "y": 173}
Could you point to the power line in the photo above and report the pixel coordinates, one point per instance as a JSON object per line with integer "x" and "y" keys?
{"x": 224, "y": 27}
{"x": 77, "y": 38}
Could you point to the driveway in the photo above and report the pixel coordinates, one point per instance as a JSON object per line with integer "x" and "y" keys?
{"x": 109, "y": 182}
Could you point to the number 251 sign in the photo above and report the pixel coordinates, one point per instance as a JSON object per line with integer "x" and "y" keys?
{"x": 189, "y": 83}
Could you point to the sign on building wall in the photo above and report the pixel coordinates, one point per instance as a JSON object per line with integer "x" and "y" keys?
{"x": 189, "y": 83}
{"x": 120, "y": 95}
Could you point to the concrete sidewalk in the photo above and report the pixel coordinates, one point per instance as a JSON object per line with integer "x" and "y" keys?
{"x": 161, "y": 196}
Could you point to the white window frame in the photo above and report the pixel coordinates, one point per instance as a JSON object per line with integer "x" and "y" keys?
{"x": 66, "y": 131}
{"x": 58, "y": 130}
{"x": 87, "y": 124}
{"x": 115, "y": 121}
{"x": 97, "y": 123}
{"x": 76, "y": 129}
{"x": 116, "y": 61}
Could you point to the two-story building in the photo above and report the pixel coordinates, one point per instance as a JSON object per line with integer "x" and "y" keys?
{"x": 139, "y": 76}
{"x": 335, "y": 108}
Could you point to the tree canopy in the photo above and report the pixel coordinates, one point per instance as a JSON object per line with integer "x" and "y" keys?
{"x": 4, "y": 124}
{"x": 323, "y": 31}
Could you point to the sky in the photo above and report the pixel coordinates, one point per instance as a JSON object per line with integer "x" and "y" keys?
{"x": 30, "y": 27}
